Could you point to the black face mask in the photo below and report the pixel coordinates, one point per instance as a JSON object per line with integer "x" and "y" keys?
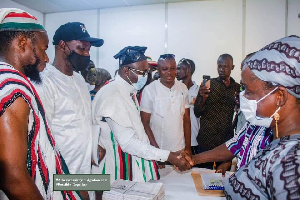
{"x": 79, "y": 62}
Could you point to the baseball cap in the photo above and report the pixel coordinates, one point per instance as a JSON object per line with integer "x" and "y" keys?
{"x": 75, "y": 31}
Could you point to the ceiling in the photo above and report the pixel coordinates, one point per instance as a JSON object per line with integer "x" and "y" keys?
{"x": 54, "y": 6}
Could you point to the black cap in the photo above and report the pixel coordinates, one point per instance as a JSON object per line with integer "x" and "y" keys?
{"x": 75, "y": 31}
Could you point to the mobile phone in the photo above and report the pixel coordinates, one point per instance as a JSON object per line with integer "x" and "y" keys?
{"x": 206, "y": 79}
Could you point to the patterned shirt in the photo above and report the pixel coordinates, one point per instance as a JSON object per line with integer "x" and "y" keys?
{"x": 248, "y": 142}
{"x": 274, "y": 173}
{"x": 217, "y": 113}
{"x": 43, "y": 157}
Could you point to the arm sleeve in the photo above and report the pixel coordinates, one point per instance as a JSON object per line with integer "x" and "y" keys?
{"x": 235, "y": 144}
{"x": 146, "y": 101}
{"x": 129, "y": 143}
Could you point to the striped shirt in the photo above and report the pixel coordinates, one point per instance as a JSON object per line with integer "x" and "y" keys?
{"x": 246, "y": 144}
{"x": 43, "y": 158}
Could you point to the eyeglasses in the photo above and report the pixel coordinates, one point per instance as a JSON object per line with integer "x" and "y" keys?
{"x": 166, "y": 56}
{"x": 144, "y": 73}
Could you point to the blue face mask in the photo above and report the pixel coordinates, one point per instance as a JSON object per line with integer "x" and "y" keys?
{"x": 249, "y": 108}
{"x": 142, "y": 79}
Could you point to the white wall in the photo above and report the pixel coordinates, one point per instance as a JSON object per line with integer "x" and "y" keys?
{"x": 204, "y": 30}
{"x": 293, "y": 20}
{"x": 137, "y": 25}
{"x": 200, "y": 30}
{"x": 265, "y": 23}
{"x": 12, "y": 4}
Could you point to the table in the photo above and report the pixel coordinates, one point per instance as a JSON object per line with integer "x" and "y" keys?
{"x": 180, "y": 185}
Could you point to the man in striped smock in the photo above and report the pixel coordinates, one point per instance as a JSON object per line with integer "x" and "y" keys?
{"x": 28, "y": 153}
{"x": 129, "y": 154}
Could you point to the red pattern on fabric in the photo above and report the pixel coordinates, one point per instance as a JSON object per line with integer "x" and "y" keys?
{"x": 129, "y": 172}
{"x": 121, "y": 163}
{"x": 23, "y": 15}
{"x": 155, "y": 168}
{"x": 43, "y": 166}
{"x": 32, "y": 145}
{"x": 47, "y": 127}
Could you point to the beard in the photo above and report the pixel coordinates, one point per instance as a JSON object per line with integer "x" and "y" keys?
{"x": 32, "y": 72}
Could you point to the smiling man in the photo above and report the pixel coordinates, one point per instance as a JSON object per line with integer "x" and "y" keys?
{"x": 129, "y": 155}
{"x": 165, "y": 109}
{"x": 66, "y": 98}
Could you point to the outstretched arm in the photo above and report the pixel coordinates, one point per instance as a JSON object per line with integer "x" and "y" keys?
{"x": 218, "y": 154}
{"x": 15, "y": 180}
{"x": 130, "y": 143}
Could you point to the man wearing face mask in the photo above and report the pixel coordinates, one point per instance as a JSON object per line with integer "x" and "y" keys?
{"x": 66, "y": 98}
{"x": 129, "y": 155}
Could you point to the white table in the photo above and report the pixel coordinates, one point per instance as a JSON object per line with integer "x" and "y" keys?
{"x": 180, "y": 186}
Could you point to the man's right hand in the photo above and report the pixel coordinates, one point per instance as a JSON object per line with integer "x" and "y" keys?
{"x": 180, "y": 162}
{"x": 204, "y": 91}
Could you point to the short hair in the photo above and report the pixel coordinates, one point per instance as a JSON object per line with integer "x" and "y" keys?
{"x": 6, "y": 38}
{"x": 167, "y": 56}
{"x": 226, "y": 55}
{"x": 189, "y": 63}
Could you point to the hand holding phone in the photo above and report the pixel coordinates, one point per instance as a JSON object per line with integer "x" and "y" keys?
{"x": 205, "y": 86}
{"x": 206, "y": 81}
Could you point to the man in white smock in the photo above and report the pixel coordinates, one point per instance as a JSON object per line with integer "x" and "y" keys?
{"x": 129, "y": 155}
{"x": 66, "y": 98}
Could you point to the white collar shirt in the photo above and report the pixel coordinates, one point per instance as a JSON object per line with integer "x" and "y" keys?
{"x": 167, "y": 108}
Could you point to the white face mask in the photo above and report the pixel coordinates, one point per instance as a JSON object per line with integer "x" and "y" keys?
{"x": 249, "y": 108}
{"x": 141, "y": 81}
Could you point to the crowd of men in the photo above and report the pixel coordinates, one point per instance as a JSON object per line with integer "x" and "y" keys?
{"x": 128, "y": 126}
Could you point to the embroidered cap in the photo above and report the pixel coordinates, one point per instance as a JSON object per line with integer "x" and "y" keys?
{"x": 131, "y": 54}
{"x": 75, "y": 31}
{"x": 14, "y": 19}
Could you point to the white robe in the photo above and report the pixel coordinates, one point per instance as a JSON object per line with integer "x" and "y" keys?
{"x": 68, "y": 108}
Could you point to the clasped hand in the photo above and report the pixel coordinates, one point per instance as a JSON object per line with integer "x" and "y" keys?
{"x": 181, "y": 160}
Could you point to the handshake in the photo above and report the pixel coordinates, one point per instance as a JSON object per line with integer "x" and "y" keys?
{"x": 182, "y": 160}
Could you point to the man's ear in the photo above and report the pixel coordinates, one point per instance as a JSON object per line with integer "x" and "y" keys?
{"x": 233, "y": 67}
{"x": 22, "y": 42}
{"x": 62, "y": 45}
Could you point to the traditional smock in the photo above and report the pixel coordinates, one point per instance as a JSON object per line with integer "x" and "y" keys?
{"x": 68, "y": 109}
{"x": 43, "y": 157}
{"x": 129, "y": 154}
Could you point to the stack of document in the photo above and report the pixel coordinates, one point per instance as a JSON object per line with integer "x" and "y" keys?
{"x": 129, "y": 190}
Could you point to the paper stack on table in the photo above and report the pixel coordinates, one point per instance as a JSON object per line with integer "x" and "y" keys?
{"x": 129, "y": 190}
